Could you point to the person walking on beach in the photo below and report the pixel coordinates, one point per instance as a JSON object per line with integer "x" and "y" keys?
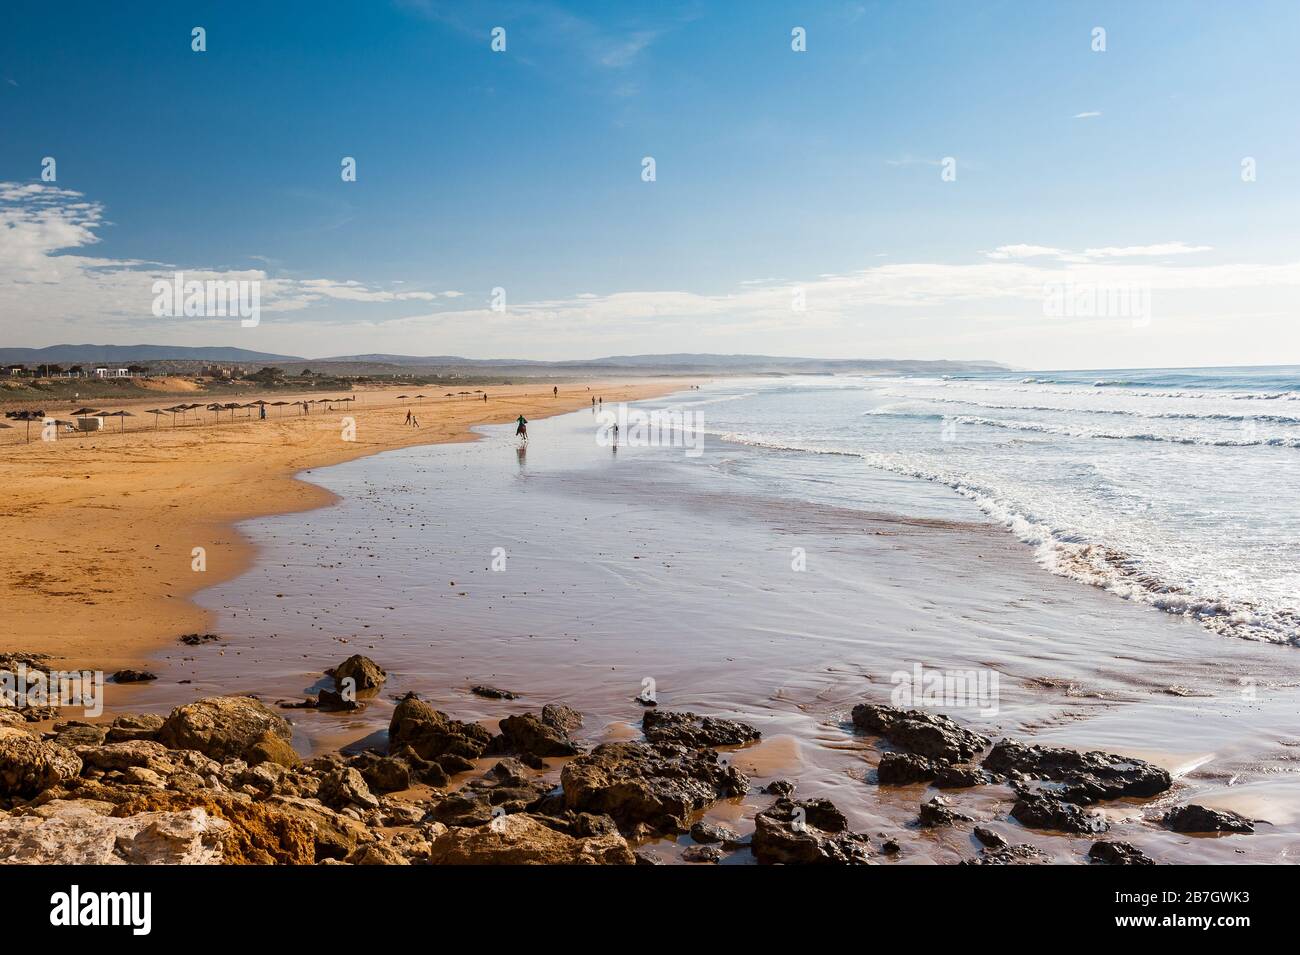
{"x": 522, "y": 430}
{"x": 615, "y": 436}
{"x": 415, "y": 422}
{"x": 485, "y": 397}
{"x": 408, "y": 417}
{"x": 261, "y": 412}
{"x": 555, "y": 391}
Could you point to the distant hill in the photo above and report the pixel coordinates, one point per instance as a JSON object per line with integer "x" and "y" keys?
{"x": 124, "y": 354}
{"x": 179, "y": 358}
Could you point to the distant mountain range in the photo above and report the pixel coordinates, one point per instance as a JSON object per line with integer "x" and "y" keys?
{"x": 378, "y": 364}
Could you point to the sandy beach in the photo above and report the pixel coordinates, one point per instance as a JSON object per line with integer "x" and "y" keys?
{"x": 103, "y": 527}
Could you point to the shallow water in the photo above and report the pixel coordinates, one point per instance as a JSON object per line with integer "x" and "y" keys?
{"x": 648, "y": 564}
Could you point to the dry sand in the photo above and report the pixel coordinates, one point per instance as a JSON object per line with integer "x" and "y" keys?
{"x": 99, "y": 530}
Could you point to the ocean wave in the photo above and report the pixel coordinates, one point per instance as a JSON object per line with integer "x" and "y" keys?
{"x": 1068, "y": 553}
{"x": 1090, "y": 433}
{"x": 1119, "y": 412}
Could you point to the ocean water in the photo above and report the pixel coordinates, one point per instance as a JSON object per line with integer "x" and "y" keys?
{"x": 1173, "y": 487}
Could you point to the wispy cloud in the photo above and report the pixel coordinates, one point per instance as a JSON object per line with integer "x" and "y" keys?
{"x": 1089, "y": 115}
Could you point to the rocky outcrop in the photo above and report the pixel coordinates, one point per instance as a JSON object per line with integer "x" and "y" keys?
{"x": 1084, "y": 778}
{"x": 1040, "y": 810}
{"x": 689, "y": 729}
{"x": 940, "y": 812}
{"x": 1117, "y": 853}
{"x": 224, "y": 727}
{"x": 431, "y": 734}
{"x": 525, "y": 840}
{"x": 1193, "y": 818}
{"x": 29, "y": 766}
{"x": 363, "y": 672}
{"x": 344, "y": 787}
{"x": 529, "y": 735}
{"x": 903, "y": 769}
{"x": 806, "y": 832}
{"x": 919, "y": 732}
{"x": 493, "y": 693}
{"x": 648, "y": 788}
{"x": 81, "y": 834}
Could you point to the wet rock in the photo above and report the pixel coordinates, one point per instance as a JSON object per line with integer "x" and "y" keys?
{"x": 702, "y": 854}
{"x": 134, "y": 676}
{"x": 939, "y": 812}
{"x": 345, "y": 787}
{"x": 708, "y": 833}
{"x": 223, "y": 726}
{"x": 528, "y": 734}
{"x": 524, "y": 840}
{"x": 961, "y": 777}
{"x": 431, "y": 733}
{"x": 648, "y": 786}
{"x": 989, "y": 838}
{"x": 493, "y": 693}
{"x": 926, "y": 734}
{"x": 134, "y": 726}
{"x": 1117, "y": 853}
{"x": 198, "y": 639}
{"x": 29, "y": 766}
{"x": 689, "y": 729}
{"x": 902, "y": 769}
{"x": 1193, "y": 818}
{"x": 1039, "y": 810}
{"x": 890, "y": 847}
{"x": 1084, "y": 778}
{"x": 1013, "y": 855}
{"x": 561, "y": 717}
{"x": 363, "y": 672}
{"x": 331, "y": 701}
{"x": 71, "y": 833}
{"x": 807, "y": 832}
{"x": 779, "y": 787}
{"x": 384, "y": 774}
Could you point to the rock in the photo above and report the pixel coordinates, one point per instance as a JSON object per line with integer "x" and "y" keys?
{"x": 431, "y": 733}
{"x": 890, "y": 847}
{"x": 1117, "y": 853}
{"x": 272, "y": 749}
{"x": 493, "y": 693}
{"x": 1013, "y": 855}
{"x": 29, "y": 766}
{"x": 524, "y": 840}
{"x": 528, "y": 734}
{"x": 1085, "y": 778}
{"x": 134, "y": 726}
{"x": 364, "y": 673}
{"x": 926, "y": 734}
{"x": 134, "y": 676}
{"x": 377, "y": 853}
{"x": 990, "y": 838}
{"x": 654, "y": 787}
{"x": 197, "y": 639}
{"x": 345, "y": 787}
{"x": 1193, "y": 818}
{"x": 707, "y": 832}
{"x": 563, "y": 718}
{"x": 960, "y": 777}
{"x": 11, "y": 717}
{"x": 223, "y": 727}
{"x": 79, "y": 735}
{"x": 688, "y": 729}
{"x": 779, "y": 787}
{"x": 1039, "y": 810}
{"x": 702, "y": 854}
{"x": 143, "y": 776}
{"x": 902, "y": 769}
{"x": 384, "y": 774}
{"x": 332, "y": 702}
{"x": 939, "y": 812}
{"x": 119, "y": 756}
{"x": 77, "y": 835}
{"x": 807, "y": 832}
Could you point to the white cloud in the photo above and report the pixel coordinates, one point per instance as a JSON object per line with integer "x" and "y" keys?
{"x": 1088, "y": 115}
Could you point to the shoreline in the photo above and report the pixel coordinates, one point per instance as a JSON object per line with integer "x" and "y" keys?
{"x": 101, "y": 582}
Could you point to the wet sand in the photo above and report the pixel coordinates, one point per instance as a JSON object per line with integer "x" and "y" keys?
{"x": 642, "y": 564}
{"x": 100, "y": 529}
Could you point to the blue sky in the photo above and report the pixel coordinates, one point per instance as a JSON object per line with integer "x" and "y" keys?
{"x": 776, "y": 171}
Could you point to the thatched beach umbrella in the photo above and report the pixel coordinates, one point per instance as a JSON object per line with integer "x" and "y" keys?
{"x": 121, "y": 416}
{"x": 28, "y": 417}
{"x": 279, "y": 404}
{"x": 157, "y": 416}
{"x": 83, "y": 413}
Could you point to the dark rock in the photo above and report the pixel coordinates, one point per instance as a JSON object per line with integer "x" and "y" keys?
{"x": 926, "y": 734}
{"x": 1084, "y": 778}
{"x": 890, "y": 847}
{"x": 902, "y": 769}
{"x": 340, "y": 702}
{"x": 1117, "y": 853}
{"x": 688, "y": 729}
{"x": 990, "y": 838}
{"x": 939, "y": 812}
{"x": 1194, "y": 818}
{"x": 423, "y": 770}
{"x": 432, "y": 733}
{"x": 807, "y": 832}
{"x": 526, "y": 733}
{"x": 707, "y": 832}
{"x": 646, "y": 786}
{"x": 196, "y": 639}
{"x": 702, "y": 854}
{"x": 779, "y": 787}
{"x": 384, "y": 774}
{"x": 134, "y": 676}
{"x": 493, "y": 693}
{"x": 561, "y": 717}
{"x": 1039, "y": 810}
{"x": 1013, "y": 855}
{"x": 960, "y": 777}
{"x": 363, "y": 672}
